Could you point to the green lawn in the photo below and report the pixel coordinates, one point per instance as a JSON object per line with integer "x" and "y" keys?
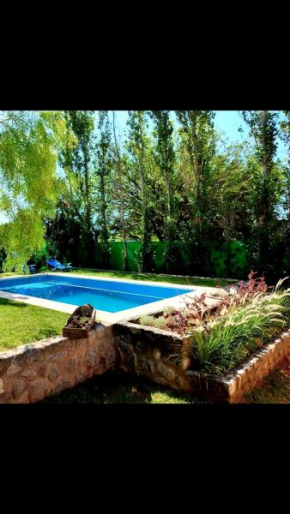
{"x": 21, "y": 323}
{"x": 275, "y": 388}
{"x": 121, "y": 388}
{"x": 211, "y": 282}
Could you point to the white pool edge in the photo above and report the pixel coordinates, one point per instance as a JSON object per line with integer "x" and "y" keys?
{"x": 142, "y": 310}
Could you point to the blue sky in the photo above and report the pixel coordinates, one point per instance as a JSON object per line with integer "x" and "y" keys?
{"x": 227, "y": 122}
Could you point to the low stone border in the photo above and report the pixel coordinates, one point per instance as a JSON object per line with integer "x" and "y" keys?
{"x": 163, "y": 357}
{"x": 31, "y": 372}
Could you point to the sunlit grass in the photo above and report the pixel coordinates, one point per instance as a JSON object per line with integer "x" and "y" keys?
{"x": 21, "y": 323}
{"x": 171, "y": 279}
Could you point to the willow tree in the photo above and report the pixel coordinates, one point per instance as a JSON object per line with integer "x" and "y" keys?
{"x": 29, "y": 146}
{"x": 264, "y": 129}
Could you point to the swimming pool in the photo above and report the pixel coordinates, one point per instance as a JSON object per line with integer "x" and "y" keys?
{"x": 106, "y": 295}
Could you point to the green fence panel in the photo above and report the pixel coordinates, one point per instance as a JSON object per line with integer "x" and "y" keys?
{"x": 220, "y": 258}
{"x": 133, "y": 249}
{"x": 117, "y": 255}
{"x": 159, "y": 248}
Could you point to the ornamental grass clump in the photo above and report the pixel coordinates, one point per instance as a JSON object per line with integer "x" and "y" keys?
{"x": 197, "y": 314}
{"x": 244, "y": 329}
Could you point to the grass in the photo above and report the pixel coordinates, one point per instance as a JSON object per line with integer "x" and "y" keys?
{"x": 120, "y": 388}
{"x": 21, "y": 323}
{"x": 117, "y": 387}
{"x": 182, "y": 280}
{"x": 275, "y": 388}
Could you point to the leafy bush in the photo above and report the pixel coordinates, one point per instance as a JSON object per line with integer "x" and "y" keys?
{"x": 40, "y": 258}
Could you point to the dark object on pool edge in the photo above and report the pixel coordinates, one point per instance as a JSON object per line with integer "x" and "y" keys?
{"x": 80, "y": 322}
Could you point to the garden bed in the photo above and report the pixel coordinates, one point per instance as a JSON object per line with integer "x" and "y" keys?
{"x": 219, "y": 351}
{"x": 162, "y": 357}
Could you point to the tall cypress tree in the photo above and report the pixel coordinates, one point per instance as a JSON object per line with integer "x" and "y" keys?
{"x": 263, "y": 128}
{"x": 104, "y": 166}
{"x": 79, "y": 163}
{"x": 137, "y": 147}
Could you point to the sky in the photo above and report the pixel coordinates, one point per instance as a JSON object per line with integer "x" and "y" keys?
{"x": 227, "y": 122}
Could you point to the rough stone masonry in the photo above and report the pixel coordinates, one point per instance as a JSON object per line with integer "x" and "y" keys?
{"x": 31, "y": 372}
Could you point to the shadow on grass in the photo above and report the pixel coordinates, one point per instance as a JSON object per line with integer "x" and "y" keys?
{"x": 274, "y": 389}
{"x": 11, "y": 303}
{"x": 117, "y": 387}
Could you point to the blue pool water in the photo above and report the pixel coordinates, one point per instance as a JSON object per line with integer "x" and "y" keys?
{"x": 104, "y": 295}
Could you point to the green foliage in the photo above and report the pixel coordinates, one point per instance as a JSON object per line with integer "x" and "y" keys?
{"x": 236, "y": 335}
{"x": 177, "y": 197}
{"x": 229, "y": 259}
{"x": 104, "y": 168}
{"x": 151, "y": 321}
{"x": 29, "y": 143}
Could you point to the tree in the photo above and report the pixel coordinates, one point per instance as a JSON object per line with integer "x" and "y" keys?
{"x": 104, "y": 167}
{"x": 137, "y": 146}
{"x": 165, "y": 158}
{"x": 120, "y": 187}
{"x": 29, "y": 145}
{"x": 197, "y": 130}
{"x": 263, "y": 128}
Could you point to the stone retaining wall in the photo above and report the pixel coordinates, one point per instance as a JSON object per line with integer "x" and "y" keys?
{"x": 31, "y": 372}
{"x": 157, "y": 354}
{"x": 163, "y": 357}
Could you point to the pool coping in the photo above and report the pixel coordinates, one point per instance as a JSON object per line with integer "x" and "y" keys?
{"x": 142, "y": 310}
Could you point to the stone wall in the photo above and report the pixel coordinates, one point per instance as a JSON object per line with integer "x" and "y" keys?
{"x": 163, "y": 357}
{"x": 30, "y": 373}
{"x": 154, "y": 353}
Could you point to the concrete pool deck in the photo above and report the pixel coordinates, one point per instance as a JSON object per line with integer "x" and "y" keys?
{"x": 108, "y": 317}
